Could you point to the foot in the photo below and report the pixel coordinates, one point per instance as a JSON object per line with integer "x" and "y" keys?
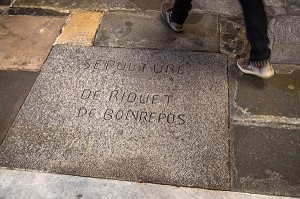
{"x": 166, "y": 12}
{"x": 262, "y": 69}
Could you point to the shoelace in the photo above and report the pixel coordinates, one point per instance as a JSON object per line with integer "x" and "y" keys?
{"x": 259, "y": 64}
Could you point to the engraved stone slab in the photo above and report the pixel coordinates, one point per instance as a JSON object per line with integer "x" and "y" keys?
{"x": 130, "y": 114}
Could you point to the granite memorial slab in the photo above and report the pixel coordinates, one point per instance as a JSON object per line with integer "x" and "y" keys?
{"x": 130, "y": 114}
{"x": 149, "y": 30}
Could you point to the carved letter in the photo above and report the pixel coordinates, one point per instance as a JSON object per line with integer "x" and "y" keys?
{"x": 82, "y": 111}
{"x": 119, "y": 114}
{"x": 86, "y": 94}
{"x": 88, "y": 64}
{"x": 181, "y": 118}
{"x": 113, "y": 94}
{"x": 132, "y": 99}
{"x": 96, "y": 95}
{"x": 161, "y": 116}
{"x": 134, "y": 116}
{"x": 108, "y": 114}
{"x": 168, "y": 98}
{"x": 171, "y": 118}
{"x": 145, "y": 100}
{"x": 160, "y": 69}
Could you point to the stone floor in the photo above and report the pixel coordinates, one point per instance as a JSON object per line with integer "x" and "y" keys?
{"x": 82, "y": 117}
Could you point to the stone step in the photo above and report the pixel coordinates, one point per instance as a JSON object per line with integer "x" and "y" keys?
{"x": 36, "y": 185}
{"x": 130, "y": 114}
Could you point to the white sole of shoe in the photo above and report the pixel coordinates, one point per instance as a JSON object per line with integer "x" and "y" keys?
{"x": 249, "y": 72}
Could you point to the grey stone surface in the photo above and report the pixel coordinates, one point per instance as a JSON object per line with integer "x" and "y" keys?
{"x": 92, "y": 4}
{"x": 284, "y": 34}
{"x": 277, "y": 97}
{"x": 233, "y": 41}
{"x": 14, "y": 87}
{"x": 36, "y": 11}
{"x": 265, "y": 131}
{"x": 5, "y": 2}
{"x": 225, "y": 7}
{"x": 293, "y": 6}
{"x": 43, "y": 185}
{"x": 162, "y": 119}
{"x": 149, "y": 30}
{"x": 266, "y": 160}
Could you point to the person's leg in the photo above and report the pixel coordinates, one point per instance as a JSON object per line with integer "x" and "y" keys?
{"x": 257, "y": 35}
{"x": 175, "y": 13}
{"x": 181, "y": 10}
{"x": 256, "y": 26}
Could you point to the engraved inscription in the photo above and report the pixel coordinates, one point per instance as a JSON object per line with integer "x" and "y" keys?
{"x": 112, "y": 65}
{"x": 132, "y": 115}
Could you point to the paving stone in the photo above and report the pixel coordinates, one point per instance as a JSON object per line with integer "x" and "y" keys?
{"x": 252, "y": 96}
{"x": 91, "y": 4}
{"x": 225, "y": 7}
{"x": 136, "y": 30}
{"x": 14, "y": 87}
{"x": 266, "y": 160}
{"x": 293, "y": 6}
{"x": 36, "y": 185}
{"x": 233, "y": 41}
{"x": 284, "y": 34}
{"x": 5, "y": 2}
{"x": 81, "y": 29}
{"x": 265, "y": 131}
{"x": 37, "y": 11}
{"x": 27, "y": 40}
{"x": 130, "y": 114}
{"x": 4, "y": 10}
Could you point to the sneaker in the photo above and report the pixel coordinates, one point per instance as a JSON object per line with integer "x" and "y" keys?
{"x": 262, "y": 69}
{"x": 166, "y": 12}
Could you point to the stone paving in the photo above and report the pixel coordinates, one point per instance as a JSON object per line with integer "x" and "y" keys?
{"x": 51, "y": 186}
{"x": 71, "y": 121}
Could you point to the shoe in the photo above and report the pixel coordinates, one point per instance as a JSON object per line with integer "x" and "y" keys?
{"x": 262, "y": 69}
{"x": 166, "y": 12}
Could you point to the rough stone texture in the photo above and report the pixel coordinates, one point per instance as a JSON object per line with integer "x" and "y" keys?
{"x": 4, "y": 10}
{"x": 233, "y": 41}
{"x": 178, "y": 136}
{"x": 284, "y": 34}
{"x": 81, "y": 29}
{"x": 293, "y": 6}
{"x": 265, "y": 131}
{"x": 148, "y": 30}
{"x": 225, "y": 7}
{"x": 266, "y": 160}
{"x": 93, "y": 4}
{"x": 14, "y": 87}
{"x": 26, "y": 40}
{"x": 5, "y": 2}
{"x": 254, "y": 96}
{"x": 42, "y": 185}
{"x": 37, "y": 11}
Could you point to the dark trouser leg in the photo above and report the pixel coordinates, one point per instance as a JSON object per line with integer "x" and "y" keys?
{"x": 257, "y": 31}
{"x": 181, "y": 10}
